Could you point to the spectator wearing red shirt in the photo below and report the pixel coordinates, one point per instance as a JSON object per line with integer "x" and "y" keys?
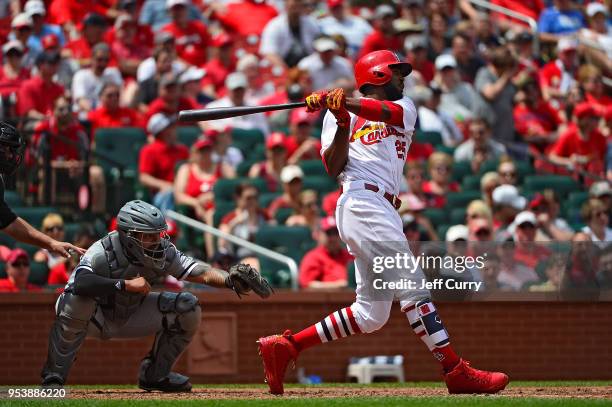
{"x": 18, "y": 271}
{"x": 559, "y": 76}
{"x": 222, "y": 64}
{"x": 440, "y": 182}
{"x": 12, "y": 74}
{"x": 590, "y": 78}
{"x": 383, "y": 36}
{"x": 126, "y": 48}
{"x": 159, "y": 158}
{"x": 291, "y": 177}
{"x": 232, "y": 17}
{"x": 535, "y": 119}
{"x": 582, "y": 145}
{"x": 109, "y": 114}
{"x": 144, "y": 33}
{"x": 300, "y": 144}
{"x": 192, "y": 38}
{"x": 416, "y": 50}
{"x": 528, "y": 8}
{"x": 325, "y": 266}
{"x": 94, "y": 27}
{"x": 169, "y": 101}
{"x": 36, "y": 95}
{"x": 276, "y": 159}
{"x": 67, "y": 13}
{"x": 60, "y": 273}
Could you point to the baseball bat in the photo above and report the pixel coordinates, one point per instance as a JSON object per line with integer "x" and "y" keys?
{"x": 202, "y": 115}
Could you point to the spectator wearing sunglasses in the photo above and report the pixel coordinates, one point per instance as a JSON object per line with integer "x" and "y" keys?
{"x": 440, "y": 182}
{"x": 507, "y": 171}
{"x": 52, "y": 226}
{"x": 18, "y": 271}
{"x": 596, "y": 217}
{"x": 307, "y": 213}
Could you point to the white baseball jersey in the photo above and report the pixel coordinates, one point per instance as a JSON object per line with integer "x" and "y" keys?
{"x": 377, "y": 151}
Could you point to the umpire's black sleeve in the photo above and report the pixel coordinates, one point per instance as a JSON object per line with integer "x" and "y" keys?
{"x": 92, "y": 285}
{"x": 7, "y": 216}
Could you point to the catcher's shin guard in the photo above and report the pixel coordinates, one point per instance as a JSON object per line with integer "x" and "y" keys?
{"x": 66, "y": 337}
{"x": 181, "y": 319}
{"x": 277, "y": 351}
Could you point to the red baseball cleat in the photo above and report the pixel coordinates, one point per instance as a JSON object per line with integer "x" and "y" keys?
{"x": 277, "y": 351}
{"x": 464, "y": 379}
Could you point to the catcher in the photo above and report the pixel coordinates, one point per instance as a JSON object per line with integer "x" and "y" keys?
{"x": 108, "y": 296}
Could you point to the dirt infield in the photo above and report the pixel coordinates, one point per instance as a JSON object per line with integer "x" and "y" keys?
{"x": 585, "y": 392}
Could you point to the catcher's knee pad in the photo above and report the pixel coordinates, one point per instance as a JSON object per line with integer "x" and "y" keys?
{"x": 423, "y": 317}
{"x": 179, "y": 303}
{"x": 371, "y": 316}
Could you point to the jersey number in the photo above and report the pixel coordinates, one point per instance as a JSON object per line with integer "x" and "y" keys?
{"x": 400, "y": 146}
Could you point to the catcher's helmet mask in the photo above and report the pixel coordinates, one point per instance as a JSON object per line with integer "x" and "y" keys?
{"x": 143, "y": 233}
{"x": 12, "y": 148}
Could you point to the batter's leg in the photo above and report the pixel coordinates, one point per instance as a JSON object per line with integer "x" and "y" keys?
{"x": 73, "y": 313}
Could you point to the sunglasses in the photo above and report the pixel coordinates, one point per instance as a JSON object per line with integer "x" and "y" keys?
{"x": 526, "y": 225}
{"x": 250, "y": 197}
{"x": 54, "y": 229}
{"x": 20, "y": 264}
{"x": 508, "y": 174}
{"x": 483, "y": 232}
{"x": 598, "y": 214}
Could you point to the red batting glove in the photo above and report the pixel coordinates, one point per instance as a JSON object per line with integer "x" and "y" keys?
{"x": 316, "y": 101}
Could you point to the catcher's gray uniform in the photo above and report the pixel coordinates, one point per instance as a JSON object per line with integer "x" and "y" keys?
{"x": 173, "y": 317}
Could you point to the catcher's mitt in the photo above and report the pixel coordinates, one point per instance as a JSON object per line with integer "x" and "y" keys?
{"x": 243, "y": 278}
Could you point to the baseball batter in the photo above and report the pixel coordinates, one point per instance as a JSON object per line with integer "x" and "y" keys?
{"x": 365, "y": 140}
{"x": 108, "y": 296}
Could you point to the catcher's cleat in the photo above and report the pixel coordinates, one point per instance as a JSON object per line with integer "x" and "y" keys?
{"x": 464, "y": 379}
{"x": 173, "y": 383}
{"x": 277, "y": 351}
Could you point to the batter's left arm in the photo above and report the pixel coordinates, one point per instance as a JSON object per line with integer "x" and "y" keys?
{"x": 376, "y": 110}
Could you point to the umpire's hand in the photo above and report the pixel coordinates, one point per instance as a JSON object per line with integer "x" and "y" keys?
{"x": 137, "y": 285}
{"x": 63, "y": 249}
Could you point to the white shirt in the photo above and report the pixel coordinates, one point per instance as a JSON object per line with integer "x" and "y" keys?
{"x": 232, "y": 157}
{"x": 354, "y": 30}
{"x": 378, "y": 152}
{"x": 251, "y": 121}
{"x": 148, "y": 68}
{"x": 277, "y": 38}
{"x": 430, "y": 120}
{"x": 600, "y": 243}
{"x": 86, "y": 84}
{"x": 323, "y": 76}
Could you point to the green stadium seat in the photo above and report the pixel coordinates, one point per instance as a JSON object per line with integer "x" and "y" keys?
{"x": 122, "y": 145}
{"x": 313, "y": 168}
{"x": 461, "y": 169}
{"x": 457, "y": 216}
{"x": 258, "y": 153}
{"x": 39, "y": 273}
{"x": 70, "y": 230}
{"x": 441, "y": 230}
{"x": 562, "y": 185}
{"x": 432, "y": 137}
{"x": 34, "y": 214}
{"x": 461, "y": 199}
{"x": 188, "y": 134}
{"x": 282, "y": 214}
{"x": 266, "y": 198}
{"x": 573, "y": 215}
{"x": 6, "y": 240}
{"x": 224, "y": 188}
{"x": 350, "y": 271}
{"x": 290, "y": 241}
{"x": 436, "y": 216}
{"x": 244, "y": 167}
{"x": 316, "y": 132}
{"x": 30, "y": 249}
{"x": 247, "y": 140}
{"x": 222, "y": 209}
{"x": 446, "y": 149}
{"x": 577, "y": 199}
{"x": 321, "y": 184}
{"x": 12, "y": 199}
{"x": 3, "y": 270}
{"x": 471, "y": 183}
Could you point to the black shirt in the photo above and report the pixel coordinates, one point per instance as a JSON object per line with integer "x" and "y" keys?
{"x": 7, "y": 216}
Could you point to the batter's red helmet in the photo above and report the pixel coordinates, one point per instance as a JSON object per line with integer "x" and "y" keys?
{"x": 375, "y": 68}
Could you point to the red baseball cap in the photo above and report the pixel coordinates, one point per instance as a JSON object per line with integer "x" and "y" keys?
{"x": 50, "y": 41}
{"x": 17, "y": 254}
{"x": 301, "y": 115}
{"x": 172, "y": 228}
{"x": 328, "y": 223}
{"x": 334, "y": 3}
{"x": 538, "y": 199}
{"x": 586, "y": 109}
{"x": 203, "y": 142}
{"x": 276, "y": 139}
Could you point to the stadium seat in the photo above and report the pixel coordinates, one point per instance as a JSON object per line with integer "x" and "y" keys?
{"x": 222, "y": 209}
{"x": 461, "y": 169}
{"x": 446, "y": 149}
{"x": 70, "y": 230}
{"x": 441, "y": 230}
{"x": 247, "y": 140}
{"x": 12, "y": 199}
{"x": 188, "y": 134}
{"x": 321, "y": 184}
{"x": 471, "y": 183}
{"x": 224, "y": 188}
{"x": 577, "y": 199}
{"x": 6, "y": 240}
{"x": 290, "y": 241}
{"x": 34, "y": 214}
{"x": 432, "y": 137}
{"x": 562, "y": 185}
{"x": 243, "y": 168}
{"x": 457, "y": 216}
{"x": 266, "y": 198}
{"x": 3, "y": 270}
{"x": 436, "y": 216}
{"x": 39, "y": 273}
{"x": 120, "y": 144}
{"x": 313, "y": 168}
{"x": 352, "y": 281}
{"x": 461, "y": 199}
{"x": 282, "y": 214}
{"x": 30, "y": 249}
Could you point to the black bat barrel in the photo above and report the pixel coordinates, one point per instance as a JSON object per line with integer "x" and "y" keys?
{"x": 202, "y": 115}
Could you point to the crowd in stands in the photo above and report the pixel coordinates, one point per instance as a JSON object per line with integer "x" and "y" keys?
{"x": 497, "y": 105}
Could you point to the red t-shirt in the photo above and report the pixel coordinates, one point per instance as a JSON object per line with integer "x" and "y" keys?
{"x": 330, "y": 201}
{"x": 144, "y": 36}
{"x": 216, "y": 73}
{"x": 101, "y": 117}
{"x": 312, "y": 154}
{"x": 276, "y": 98}
{"x": 319, "y": 265}
{"x": 12, "y": 85}
{"x": 426, "y": 68}
{"x": 570, "y": 143}
{"x": 197, "y": 186}
{"x": 419, "y": 151}
{"x": 230, "y": 216}
{"x": 604, "y": 101}
{"x": 64, "y": 11}
{"x": 434, "y": 200}
{"x": 7, "y": 286}
{"x": 542, "y": 117}
{"x": 377, "y": 41}
{"x": 192, "y": 41}
{"x": 529, "y": 8}
{"x": 278, "y": 203}
{"x": 158, "y": 159}
{"x": 258, "y": 16}
{"x": 159, "y": 105}
{"x": 74, "y": 132}
{"x": 38, "y": 95}
{"x": 532, "y": 257}
{"x": 58, "y": 274}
